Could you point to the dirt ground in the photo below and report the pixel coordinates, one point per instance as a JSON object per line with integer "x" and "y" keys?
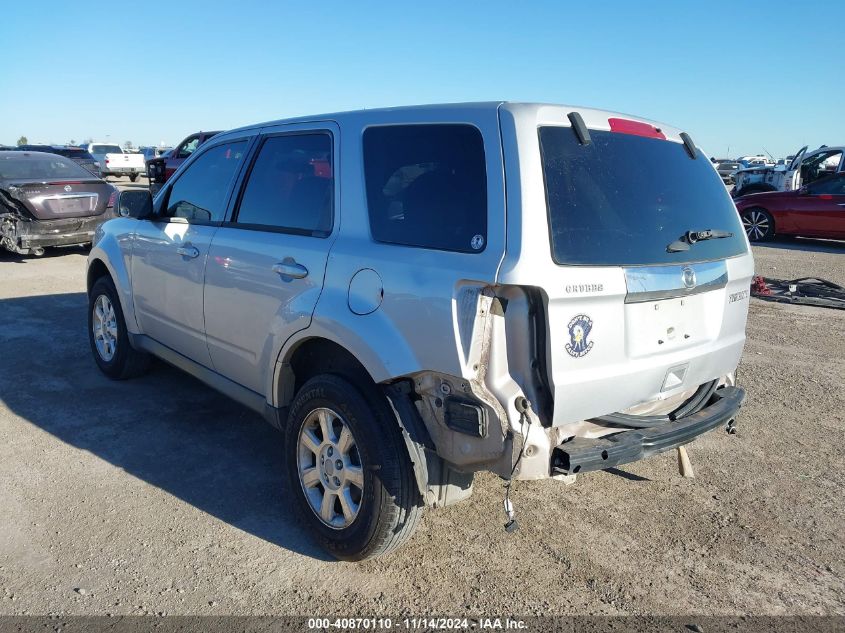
{"x": 159, "y": 495}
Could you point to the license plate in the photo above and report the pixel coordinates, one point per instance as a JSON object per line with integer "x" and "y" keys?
{"x": 74, "y": 205}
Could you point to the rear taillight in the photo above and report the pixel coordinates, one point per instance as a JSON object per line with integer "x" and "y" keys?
{"x": 112, "y": 200}
{"x": 107, "y": 160}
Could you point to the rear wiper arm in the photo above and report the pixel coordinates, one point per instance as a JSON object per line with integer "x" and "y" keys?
{"x": 691, "y": 237}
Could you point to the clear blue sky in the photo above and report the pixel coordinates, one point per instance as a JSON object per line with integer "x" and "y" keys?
{"x": 742, "y": 74}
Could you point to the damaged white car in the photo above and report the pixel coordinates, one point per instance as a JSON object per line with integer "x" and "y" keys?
{"x": 804, "y": 168}
{"x": 416, "y": 294}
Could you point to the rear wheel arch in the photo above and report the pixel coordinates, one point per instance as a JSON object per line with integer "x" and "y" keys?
{"x": 312, "y": 357}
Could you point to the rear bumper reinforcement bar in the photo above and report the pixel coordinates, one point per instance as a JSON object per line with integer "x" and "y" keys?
{"x": 583, "y": 455}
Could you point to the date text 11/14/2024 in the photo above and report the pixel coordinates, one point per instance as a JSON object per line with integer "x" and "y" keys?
{"x": 416, "y": 623}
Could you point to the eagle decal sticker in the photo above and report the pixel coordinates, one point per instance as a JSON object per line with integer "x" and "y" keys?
{"x": 579, "y": 330}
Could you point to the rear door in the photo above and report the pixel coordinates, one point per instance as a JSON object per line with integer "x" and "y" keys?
{"x": 266, "y": 265}
{"x": 170, "y": 251}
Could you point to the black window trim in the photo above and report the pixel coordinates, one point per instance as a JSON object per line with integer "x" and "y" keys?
{"x": 486, "y": 185}
{"x": 206, "y": 147}
{"x": 232, "y": 221}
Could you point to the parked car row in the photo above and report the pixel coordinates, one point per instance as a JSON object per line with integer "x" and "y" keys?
{"x": 79, "y": 155}
{"x": 812, "y": 205}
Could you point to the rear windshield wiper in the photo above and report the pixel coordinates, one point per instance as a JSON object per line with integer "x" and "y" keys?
{"x": 691, "y": 237}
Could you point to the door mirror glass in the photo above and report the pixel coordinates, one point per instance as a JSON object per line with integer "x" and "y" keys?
{"x": 135, "y": 204}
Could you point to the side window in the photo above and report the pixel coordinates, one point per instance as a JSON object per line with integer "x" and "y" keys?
{"x": 290, "y": 185}
{"x": 187, "y": 148}
{"x": 199, "y": 194}
{"x": 427, "y": 186}
{"x": 833, "y": 185}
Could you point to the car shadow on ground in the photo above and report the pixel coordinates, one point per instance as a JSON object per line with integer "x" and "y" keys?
{"x": 804, "y": 244}
{"x": 165, "y": 428}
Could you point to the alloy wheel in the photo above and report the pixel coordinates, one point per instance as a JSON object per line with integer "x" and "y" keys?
{"x": 104, "y": 325}
{"x": 330, "y": 469}
{"x": 756, "y": 223}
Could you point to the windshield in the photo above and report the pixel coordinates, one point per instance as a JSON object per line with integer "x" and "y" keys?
{"x": 106, "y": 149}
{"x": 47, "y": 168}
{"x": 622, "y": 199}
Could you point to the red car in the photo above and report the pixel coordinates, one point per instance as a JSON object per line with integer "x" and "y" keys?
{"x": 161, "y": 168}
{"x": 815, "y": 210}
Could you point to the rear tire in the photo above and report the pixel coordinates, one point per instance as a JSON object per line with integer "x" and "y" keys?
{"x": 758, "y": 223}
{"x": 349, "y": 470}
{"x": 108, "y": 336}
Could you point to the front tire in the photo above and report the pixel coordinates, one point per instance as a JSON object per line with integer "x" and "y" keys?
{"x": 133, "y": 177}
{"x": 758, "y": 223}
{"x": 108, "y": 336}
{"x": 348, "y": 469}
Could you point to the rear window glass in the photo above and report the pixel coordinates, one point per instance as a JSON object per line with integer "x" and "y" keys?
{"x": 47, "y": 167}
{"x": 622, "y": 199}
{"x": 106, "y": 149}
{"x": 427, "y": 186}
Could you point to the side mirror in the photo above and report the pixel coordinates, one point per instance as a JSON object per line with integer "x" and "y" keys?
{"x": 135, "y": 204}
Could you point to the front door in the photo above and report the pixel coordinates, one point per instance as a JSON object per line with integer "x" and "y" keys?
{"x": 170, "y": 251}
{"x": 820, "y": 211}
{"x": 266, "y": 267}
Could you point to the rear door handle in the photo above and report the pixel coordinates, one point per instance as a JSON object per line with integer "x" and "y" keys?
{"x": 188, "y": 251}
{"x": 290, "y": 269}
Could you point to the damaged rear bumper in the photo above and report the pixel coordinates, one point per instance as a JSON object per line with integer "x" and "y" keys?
{"x": 583, "y": 455}
{"x": 23, "y": 236}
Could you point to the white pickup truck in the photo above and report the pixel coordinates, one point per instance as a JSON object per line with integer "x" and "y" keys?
{"x": 115, "y": 162}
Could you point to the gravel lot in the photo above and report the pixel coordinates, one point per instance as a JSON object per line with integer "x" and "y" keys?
{"x": 161, "y": 496}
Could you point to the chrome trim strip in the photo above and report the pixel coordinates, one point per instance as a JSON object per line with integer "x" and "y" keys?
{"x": 652, "y": 283}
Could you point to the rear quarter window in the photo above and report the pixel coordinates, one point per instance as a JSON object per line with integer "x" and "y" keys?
{"x": 427, "y": 186}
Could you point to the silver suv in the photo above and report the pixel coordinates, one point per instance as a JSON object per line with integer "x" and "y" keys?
{"x": 412, "y": 295}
